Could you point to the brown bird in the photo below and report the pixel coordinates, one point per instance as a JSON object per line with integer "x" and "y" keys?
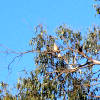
{"x": 80, "y": 48}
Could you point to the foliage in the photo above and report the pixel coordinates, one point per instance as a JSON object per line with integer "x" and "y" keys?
{"x": 68, "y": 76}
{"x": 97, "y": 7}
{"x": 66, "y": 66}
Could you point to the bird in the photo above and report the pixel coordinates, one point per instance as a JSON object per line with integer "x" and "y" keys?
{"x": 80, "y": 48}
{"x": 59, "y": 55}
{"x": 56, "y": 49}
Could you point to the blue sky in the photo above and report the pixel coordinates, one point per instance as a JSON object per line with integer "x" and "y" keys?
{"x": 19, "y": 17}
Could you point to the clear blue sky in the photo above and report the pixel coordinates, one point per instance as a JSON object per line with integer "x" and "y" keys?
{"x": 19, "y": 17}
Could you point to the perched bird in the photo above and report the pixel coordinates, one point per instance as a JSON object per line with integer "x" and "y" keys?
{"x": 55, "y": 47}
{"x": 59, "y": 55}
{"x": 80, "y": 48}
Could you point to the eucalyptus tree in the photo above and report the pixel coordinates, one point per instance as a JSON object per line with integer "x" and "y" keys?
{"x": 66, "y": 65}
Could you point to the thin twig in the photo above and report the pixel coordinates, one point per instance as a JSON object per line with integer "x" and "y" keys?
{"x": 13, "y": 60}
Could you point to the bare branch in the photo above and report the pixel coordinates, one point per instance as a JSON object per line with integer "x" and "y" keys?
{"x": 13, "y": 60}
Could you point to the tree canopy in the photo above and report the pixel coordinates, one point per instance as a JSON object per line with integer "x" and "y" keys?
{"x": 67, "y": 66}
